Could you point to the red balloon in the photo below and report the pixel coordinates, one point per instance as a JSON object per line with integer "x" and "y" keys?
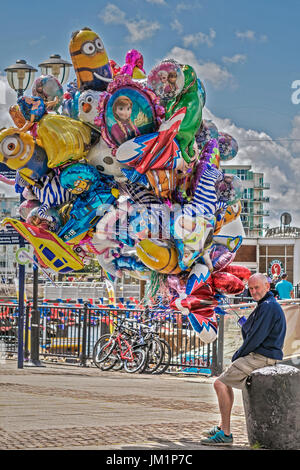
{"x": 227, "y": 283}
{"x": 241, "y": 272}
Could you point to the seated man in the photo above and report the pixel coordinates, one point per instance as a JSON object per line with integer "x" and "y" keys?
{"x": 263, "y": 334}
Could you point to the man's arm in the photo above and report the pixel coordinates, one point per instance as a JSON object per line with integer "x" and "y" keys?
{"x": 261, "y": 328}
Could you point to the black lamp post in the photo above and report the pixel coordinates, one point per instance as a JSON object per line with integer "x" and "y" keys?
{"x": 57, "y": 67}
{"x": 20, "y": 76}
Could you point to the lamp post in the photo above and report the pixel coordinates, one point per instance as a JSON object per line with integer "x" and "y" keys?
{"x": 57, "y": 67}
{"x": 20, "y": 76}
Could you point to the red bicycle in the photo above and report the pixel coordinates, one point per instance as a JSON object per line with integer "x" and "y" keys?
{"x": 121, "y": 347}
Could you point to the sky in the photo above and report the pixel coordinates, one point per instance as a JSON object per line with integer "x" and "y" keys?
{"x": 245, "y": 52}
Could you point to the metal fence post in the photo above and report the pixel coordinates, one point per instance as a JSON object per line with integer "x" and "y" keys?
{"x": 83, "y": 355}
{"x": 220, "y": 347}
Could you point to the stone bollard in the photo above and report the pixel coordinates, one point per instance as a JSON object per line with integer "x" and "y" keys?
{"x": 271, "y": 400}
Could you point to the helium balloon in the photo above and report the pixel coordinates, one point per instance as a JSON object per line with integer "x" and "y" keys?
{"x": 228, "y": 146}
{"x": 229, "y": 189}
{"x": 79, "y": 177}
{"x": 134, "y": 63}
{"x": 87, "y": 106}
{"x": 207, "y": 131}
{"x": 166, "y": 79}
{"x": 19, "y": 151}
{"x": 159, "y": 256}
{"x": 199, "y": 280}
{"x": 50, "y": 90}
{"x": 191, "y": 99}
{"x": 90, "y": 60}
{"x": 227, "y": 283}
{"x": 242, "y": 272}
{"x": 17, "y": 116}
{"x": 64, "y": 139}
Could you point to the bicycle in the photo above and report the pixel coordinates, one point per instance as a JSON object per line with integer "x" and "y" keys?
{"x": 120, "y": 346}
{"x": 158, "y": 349}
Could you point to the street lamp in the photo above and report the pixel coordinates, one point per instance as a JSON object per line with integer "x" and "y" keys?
{"x": 20, "y": 76}
{"x": 57, "y": 67}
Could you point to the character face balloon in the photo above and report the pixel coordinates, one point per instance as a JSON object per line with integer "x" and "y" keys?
{"x": 88, "y": 102}
{"x": 166, "y": 79}
{"x": 90, "y": 60}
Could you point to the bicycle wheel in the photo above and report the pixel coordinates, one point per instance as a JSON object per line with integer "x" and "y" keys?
{"x": 155, "y": 355}
{"x": 102, "y": 348}
{"x": 166, "y": 357}
{"x": 137, "y": 362}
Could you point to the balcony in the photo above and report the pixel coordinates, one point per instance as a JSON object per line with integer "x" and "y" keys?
{"x": 262, "y": 213}
{"x": 260, "y": 226}
{"x": 262, "y": 199}
{"x": 262, "y": 185}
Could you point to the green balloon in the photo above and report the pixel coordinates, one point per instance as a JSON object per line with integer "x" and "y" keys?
{"x": 191, "y": 98}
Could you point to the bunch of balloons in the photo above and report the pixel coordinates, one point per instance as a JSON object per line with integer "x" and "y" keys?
{"x": 122, "y": 168}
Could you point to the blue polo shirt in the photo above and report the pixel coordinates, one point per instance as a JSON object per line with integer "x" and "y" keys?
{"x": 264, "y": 331}
{"x": 284, "y": 289}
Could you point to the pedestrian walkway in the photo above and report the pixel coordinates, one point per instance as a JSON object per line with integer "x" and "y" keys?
{"x": 69, "y": 407}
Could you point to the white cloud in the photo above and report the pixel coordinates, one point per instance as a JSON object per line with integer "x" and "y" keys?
{"x": 157, "y": 2}
{"x": 177, "y": 26}
{"x": 235, "y": 59}
{"x": 251, "y": 35}
{"x": 200, "y": 38}
{"x": 275, "y": 159}
{"x": 206, "y": 71}
{"x": 139, "y": 29}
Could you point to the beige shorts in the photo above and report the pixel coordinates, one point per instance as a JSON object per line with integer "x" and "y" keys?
{"x": 236, "y": 374}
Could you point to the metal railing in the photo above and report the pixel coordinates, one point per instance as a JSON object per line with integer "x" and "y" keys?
{"x": 70, "y": 332}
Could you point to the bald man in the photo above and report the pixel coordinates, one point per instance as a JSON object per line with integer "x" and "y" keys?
{"x": 263, "y": 337}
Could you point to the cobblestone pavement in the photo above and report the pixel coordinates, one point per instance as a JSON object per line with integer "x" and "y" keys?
{"x": 68, "y": 407}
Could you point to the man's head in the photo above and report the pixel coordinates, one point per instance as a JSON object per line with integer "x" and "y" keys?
{"x": 284, "y": 276}
{"x": 258, "y": 286}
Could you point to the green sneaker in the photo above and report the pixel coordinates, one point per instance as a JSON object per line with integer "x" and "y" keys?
{"x": 219, "y": 439}
{"x": 211, "y": 432}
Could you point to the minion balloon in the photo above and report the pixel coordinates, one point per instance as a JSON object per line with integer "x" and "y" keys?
{"x": 90, "y": 60}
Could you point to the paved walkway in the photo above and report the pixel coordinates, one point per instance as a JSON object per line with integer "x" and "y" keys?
{"x": 69, "y": 407}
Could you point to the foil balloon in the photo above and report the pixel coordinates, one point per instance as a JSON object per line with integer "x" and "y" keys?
{"x": 70, "y": 100}
{"x": 229, "y": 189}
{"x": 115, "y": 68}
{"x": 88, "y": 106}
{"x": 90, "y": 60}
{"x": 228, "y": 146}
{"x": 231, "y": 213}
{"x": 207, "y": 131}
{"x": 26, "y": 207}
{"x": 127, "y": 110}
{"x": 153, "y": 151}
{"x": 52, "y": 223}
{"x": 64, "y": 139}
{"x": 50, "y": 90}
{"x": 19, "y": 151}
{"x": 166, "y": 79}
{"x": 17, "y": 116}
{"x": 205, "y": 324}
{"x": 227, "y": 283}
{"x": 134, "y": 63}
{"x": 79, "y": 178}
{"x": 191, "y": 99}
{"x": 199, "y": 281}
{"x": 101, "y": 157}
{"x": 221, "y": 257}
{"x": 48, "y": 247}
{"x": 159, "y": 256}
{"x": 50, "y": 194}
{"x": 33, "y": 109}
{"x": 242, "y": 272}
{"x": 87, "y": 210}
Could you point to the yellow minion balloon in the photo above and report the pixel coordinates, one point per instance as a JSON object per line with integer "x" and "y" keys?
{"x": 90, "y": 61}
{"x": 19, "y": 151}
{"x": 159, "y": 256}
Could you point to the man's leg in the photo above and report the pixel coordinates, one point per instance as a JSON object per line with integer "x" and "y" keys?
{"x": 225, "y": 399}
